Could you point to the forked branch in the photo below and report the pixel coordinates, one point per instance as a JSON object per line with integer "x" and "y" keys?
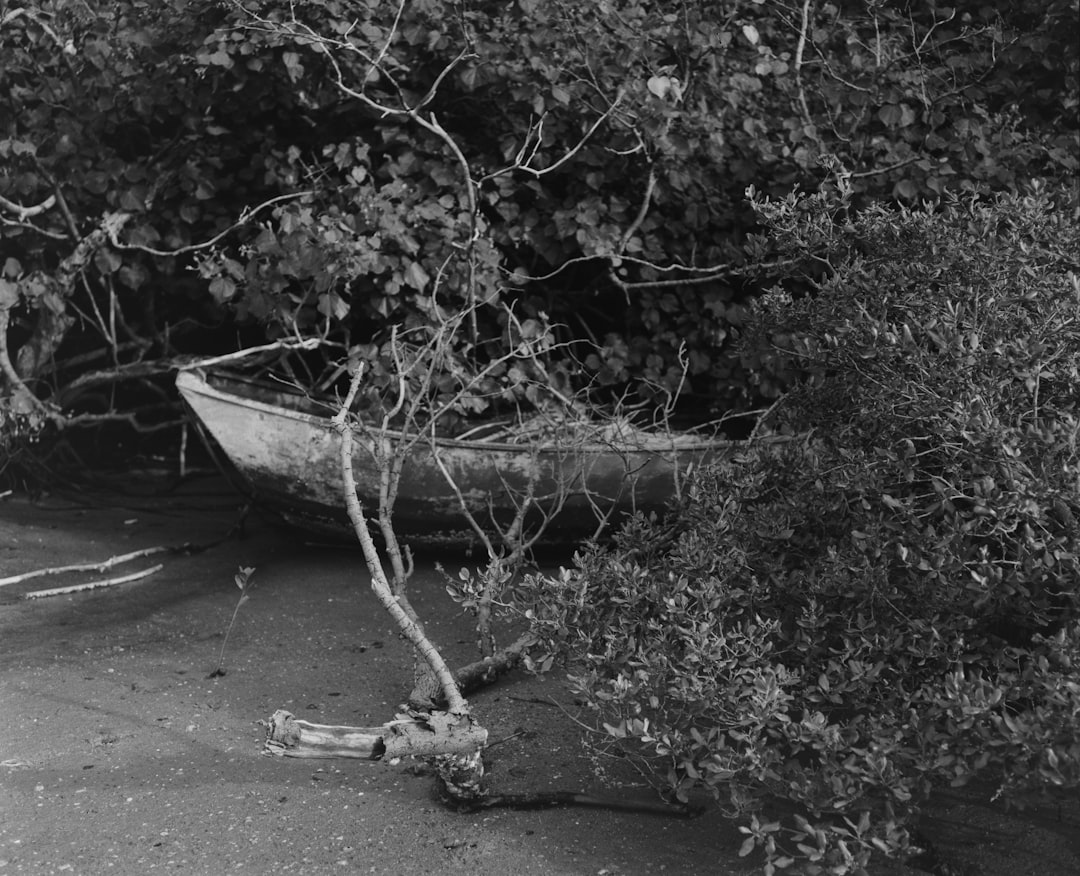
{"x": 379, "y": 584}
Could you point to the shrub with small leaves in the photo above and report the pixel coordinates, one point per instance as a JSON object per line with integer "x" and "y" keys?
{"x": 889, "y": 599}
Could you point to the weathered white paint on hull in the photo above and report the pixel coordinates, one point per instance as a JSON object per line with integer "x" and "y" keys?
{"x": 284, "y": 448}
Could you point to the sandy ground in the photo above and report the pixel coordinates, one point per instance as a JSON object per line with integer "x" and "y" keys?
{"x": 119, "y": 755}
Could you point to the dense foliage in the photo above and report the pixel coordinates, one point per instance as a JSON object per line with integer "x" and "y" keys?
{"x": 887, "y": 600}
{"x": 608, "y": 145}
{"x": 883, "y": 602}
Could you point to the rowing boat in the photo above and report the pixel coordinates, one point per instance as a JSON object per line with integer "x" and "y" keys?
{"x": 282, "y": 447}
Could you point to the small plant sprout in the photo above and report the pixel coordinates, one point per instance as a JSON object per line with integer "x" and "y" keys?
{"x": 243, "y": 581}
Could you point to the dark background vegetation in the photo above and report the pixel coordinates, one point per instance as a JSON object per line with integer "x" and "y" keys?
{"x": 188, "y": 178}
{"x": 135, "y": 133}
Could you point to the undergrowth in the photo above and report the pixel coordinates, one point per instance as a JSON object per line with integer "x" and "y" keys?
{"x": 887, "y": 600}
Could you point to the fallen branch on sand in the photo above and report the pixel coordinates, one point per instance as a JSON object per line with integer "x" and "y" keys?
{"x": 187, "y": 548}
{"x": 451, "y": 738}
{"x": 98, "y": 567}
{"x": 415, "y": 735}
{"x": 437, "y": 733}
{"x": 93, "y": 585}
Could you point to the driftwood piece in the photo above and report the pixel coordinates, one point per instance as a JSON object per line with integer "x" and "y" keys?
{"x": 488, "y": 670}
{"x": 93, "y": 567}
{"x": 436, "y": 733}
{"x": 93, "y": 585}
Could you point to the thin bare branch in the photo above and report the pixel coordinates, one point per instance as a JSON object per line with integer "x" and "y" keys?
{"x": 209, "y": 361}
{"x": 799, "y": 50}
{"x": 93, "y": 585}
{"x": 245, "y": 217}
{"x": 888, "y": 169}
{"x": 567, "y": 156}
{"x": 462, "y": 504}
{"x": 409, "y": 628}
{"x": 87, "y": 567}
{"x": 643, "y": 211}
{"x": 23, "y": 213}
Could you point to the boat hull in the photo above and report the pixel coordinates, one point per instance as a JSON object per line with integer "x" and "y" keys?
{"x": 285, "y": 452}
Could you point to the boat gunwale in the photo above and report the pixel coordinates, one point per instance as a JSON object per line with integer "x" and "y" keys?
{"x": 203, "y": 386}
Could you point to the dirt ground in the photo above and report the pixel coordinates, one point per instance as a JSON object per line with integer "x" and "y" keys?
{"x": 119, "y": 755}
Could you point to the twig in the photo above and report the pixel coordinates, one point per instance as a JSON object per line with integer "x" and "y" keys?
{"x": 764, "y": 418}
{"x": 305, "y": 344}
{"x": 464, "y": 505}
{"x": 93, "y": 585}
{"x": 24, "y": 213}
{"x": 515, "y": 735}
{"x": 91, "y": 567}
{"x": 65, "y": 210}
{"x": 799, "y": 63}
{"x": 245, "y": 217}
{"x": 887, "y": 169}
{"x": 569, "y": 154}
{"x": 89, "y": 420}
{"x": 30, "y": 226}
{"x": 643, "y": 211}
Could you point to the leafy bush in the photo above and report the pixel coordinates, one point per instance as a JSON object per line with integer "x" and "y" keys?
{"x": 884, "y": 597}
{"x": 609, "y": 144}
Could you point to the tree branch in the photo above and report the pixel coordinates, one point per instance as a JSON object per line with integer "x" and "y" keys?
{"x": 245, "y": 217}
{"x": 23, "y": 213}
{"x": 799, "y": 50}
{"x": 456, "y": 703}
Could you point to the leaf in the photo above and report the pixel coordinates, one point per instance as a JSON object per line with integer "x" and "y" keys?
{"x": 333, "y": 305}
{"x": 133, "y": 200}
{"x": 143, "y": 235}
{"x": 467, "y": 78}
{"x": 416, "y": 276}
{"x": 292, "y": 65}
{"x": 220, "y": 58}
{"x": 907, "y": 189}
{"x": 890, "y": 115}
{"x": 9, "y": 294}
{"x": 659, "y": 85}
{"x": 747, "y": 847}
{"x": 222, "y": 289}
{"x": 12, "y": 267}
{"x": 107, "y": 260}
{"x": 134, "y": 275}
{"x": 751, "y": 34}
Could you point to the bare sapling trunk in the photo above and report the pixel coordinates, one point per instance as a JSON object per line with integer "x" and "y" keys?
{"x": 409, "y": 627}
{"x": 451, "y": 737}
